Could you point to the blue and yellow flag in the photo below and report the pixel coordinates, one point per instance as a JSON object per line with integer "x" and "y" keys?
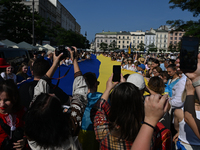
{"x": 129, "y": 49}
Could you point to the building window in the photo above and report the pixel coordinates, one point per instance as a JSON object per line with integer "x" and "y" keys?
{"x": 101, "y": 40}
{"x": 133, "y": 41}
{"x": 133, "y": 37}
{"x": 165, "y": 36}
{"x": 138, "y": 37}
{"x": 119, "y": 41}
{"x": 164, "y": 41}
{"x": 127, "y": 42}
{"x": 170, "y": 42}
{"x": 141, "y": 37}
{"x": 97, "y": 44}
{"x": 128, "y": 37}
{"x": 138, "y": 41}
{"x": 175, "y": 38}
{"x": 175, "y": 42}
{"x": 171, "y": 34}
{"x": 160, "y": 35}
{"x": 119, "y": 37}
{"x": 179, "y": 38}
{"x": 171, "y": 38}
{"x": 127, "y": 46}
{"x": 97, "y": 40}
{"x": 110, "y": 40}
{"x": 138, "y": 46}
{"x": 164, "y": 46}
{"x": 123, "y": 46}
{"x": 106, "y": 41}
{"x": 123, "y": 37}
{"x": 180, "y": 34}
{"x": 123, "y": 41}
{"x": 175, "y": 34}
{"x": 119, "y": 46}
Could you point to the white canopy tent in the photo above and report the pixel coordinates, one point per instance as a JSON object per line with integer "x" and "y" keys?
{"x": 49, "y": 47}
{"x": 8, "y": 43}
{"x": 41, "y": 48}
{"x": 26, "y": 46}
{"x": 2, "y": 45}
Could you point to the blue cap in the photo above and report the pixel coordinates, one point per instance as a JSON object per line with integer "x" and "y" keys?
{"x": 142, "y": 66}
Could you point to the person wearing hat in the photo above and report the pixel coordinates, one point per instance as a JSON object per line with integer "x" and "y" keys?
{"x": 140, "y": 69}
{"x": 141, "y": 60}
{"x": 130, "y": 65}
{"x": 7, "y": 70}
{"x": 49, "y": 57}
{"x": 137, "y": 80}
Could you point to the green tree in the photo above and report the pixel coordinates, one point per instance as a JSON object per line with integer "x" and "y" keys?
{"x": 112, "y": 45}
{"x": 152, "y": 48}
{"x": 191, "y": 28}
{"x": 16, "y": 22}
{"x": 141, "y": 46}
{"x": 172, "y": 48}
{"x": 103, "y": 46}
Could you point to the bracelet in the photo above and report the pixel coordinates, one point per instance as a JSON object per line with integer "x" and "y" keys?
{"x": 154, "y": 128}
{"x": 197, "y": 83}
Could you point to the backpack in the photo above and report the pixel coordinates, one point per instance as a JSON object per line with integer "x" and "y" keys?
{"x": 162, "y": 138}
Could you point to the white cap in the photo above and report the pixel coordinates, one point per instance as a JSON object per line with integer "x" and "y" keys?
{"x": 137, "y": 80}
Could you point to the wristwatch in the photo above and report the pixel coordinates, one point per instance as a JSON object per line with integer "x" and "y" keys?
{"x": 197, "y": 83}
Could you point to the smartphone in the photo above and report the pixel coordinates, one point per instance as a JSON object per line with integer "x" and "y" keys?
{"x": 116, "y": 73}
{"x": 189, "y": 54}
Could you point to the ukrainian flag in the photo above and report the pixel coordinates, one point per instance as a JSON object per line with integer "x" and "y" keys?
{"x": 129, "y": 49}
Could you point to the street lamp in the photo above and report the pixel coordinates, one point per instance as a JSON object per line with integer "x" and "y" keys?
{"x": 33, "y": 40}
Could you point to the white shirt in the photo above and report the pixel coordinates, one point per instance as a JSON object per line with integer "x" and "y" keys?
{"x": 186, "y": 134}
{"x": 67, "y": 62}
{"x": 12, "y": 76}
{"x": 132, "y": 67}
{"x": 177, "y": 91}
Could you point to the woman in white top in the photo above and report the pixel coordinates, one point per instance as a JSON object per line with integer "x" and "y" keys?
{"x": 130, "y": 65}
{"x": 185, "y": 136}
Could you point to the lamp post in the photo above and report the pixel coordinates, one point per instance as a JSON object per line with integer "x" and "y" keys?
{"x": 33, "y": 40}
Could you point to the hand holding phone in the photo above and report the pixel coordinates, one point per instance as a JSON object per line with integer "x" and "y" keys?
{"x": 116, "y": 73}
{"x": 189, "y": 54}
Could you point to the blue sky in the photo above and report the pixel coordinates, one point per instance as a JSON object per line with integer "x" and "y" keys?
{"x": 122, "y": 15}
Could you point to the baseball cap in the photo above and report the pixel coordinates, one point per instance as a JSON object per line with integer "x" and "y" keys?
{"x": 137, "y": 80}
{"x": 142, "y": 66}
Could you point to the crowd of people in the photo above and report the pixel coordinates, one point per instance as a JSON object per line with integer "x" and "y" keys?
{"x": 162, "y": 113}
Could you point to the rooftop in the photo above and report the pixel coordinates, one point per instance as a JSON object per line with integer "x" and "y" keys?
{"x": 149, "y": 33}
{"x": 107, "y": 33}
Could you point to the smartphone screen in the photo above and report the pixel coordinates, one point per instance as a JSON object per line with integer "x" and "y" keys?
{"x": 116, "y": 73}
{"x": 189, "y": 54}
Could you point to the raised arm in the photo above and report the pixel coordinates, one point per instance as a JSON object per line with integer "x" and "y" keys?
{"x": 155, "y": 107}
{"x": 189, "y": 109}
{"x": 56, "y": 60}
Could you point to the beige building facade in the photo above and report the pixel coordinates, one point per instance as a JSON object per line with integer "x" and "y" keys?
{"x": 137, "y": 38}
{"x": 174, "y": 37}
{"x": 105, "y": 37}
{"x": 123, "y": 39}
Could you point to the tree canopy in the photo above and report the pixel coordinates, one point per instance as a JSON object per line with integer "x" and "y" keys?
{"x": 192, "y": 28}
{"x": 16, "y": 25}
